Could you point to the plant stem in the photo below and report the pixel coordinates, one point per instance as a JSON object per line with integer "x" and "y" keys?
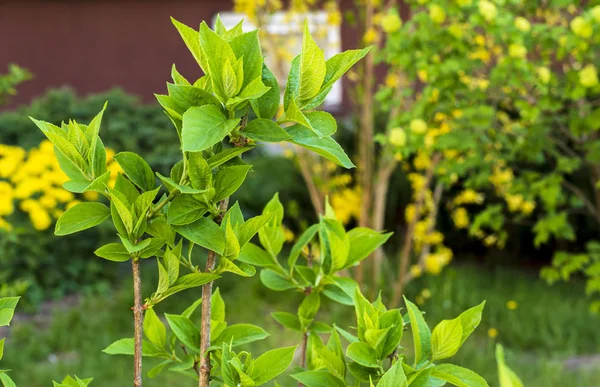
{"x": 160, "y": 205}
{"x": 138, "y": 318}
{"x": 206, "y": 309}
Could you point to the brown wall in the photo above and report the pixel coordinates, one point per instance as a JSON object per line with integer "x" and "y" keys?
{"x": 94, "y": 45}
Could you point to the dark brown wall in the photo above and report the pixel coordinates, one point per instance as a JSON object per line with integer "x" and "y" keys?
{"x": 94, "y": 45}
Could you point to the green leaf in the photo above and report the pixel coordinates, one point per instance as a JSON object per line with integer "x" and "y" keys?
{"x": 185, "y": 209}
{"x": 192, "y": 41}
{"x": 154, "y": 329}
{"x": 363, "y": 242}
{"x": 445, "y": 339}
{"x": 217, "y": 306}
{"x": 302, "y": 241}
{"x": 135, "y": 247}
{"x": 363, "y": 354}
{"x": 324, "y": 146}
{"x": 224, "y": 156}
{"x": 288, "y": 320}
{"x": 394, "y": 377}
{"x": 199, "y": 171}
{"x": 274, "y": 281}
{"x": 229, "y": 179}
{"x": 241, "y": 269}
{"x": 6, "y": 380}
{"x": 312, "y": 67}
{"x": 322, "y": 122}
{"x": 251, "y": 227}
{"x": 205, "y": 126}
{"x": 339, "y": 64}
{"x": 186, "y": 331}
{"x": 255, "y": 89}
{"x": 7, "y": 309}
{"x": 115, "y": 252}
{"x": 173, "y": 186}
{"x": 507, "y": 377}
{"x": 216, "y": 51}
{"x": 189, "y": 281}
{"x": 204, "y": 232}
{"x": 267, "y": 105}
{"x": 458, "y": 376}
{"x": 266, "y": 130}
{"x": 239, "y": 334}
{"x": 230, "y": 82}
{"x": 81, "y": 217}
{"x": 272, "y": 363}
{"x": 127, "y": 347}
{"x": 2, "y": 348}
{"x": 137, "y": 170}
{"x": 308, "y": 308}
{"x": 247, "y": 46}
{"x": 172, "y": 262}
{"x": 319, "y": 379}
{"x": 420, "y": 331}
{"x": 178, "y": 79}
{"x": 341, "y": 290}
{"x": 469, "y": 320}
{"x": 254, "y": 255}
{"x": 184, "y": 97}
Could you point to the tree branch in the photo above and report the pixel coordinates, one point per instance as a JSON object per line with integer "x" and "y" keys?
{"x": 138, "y": 318}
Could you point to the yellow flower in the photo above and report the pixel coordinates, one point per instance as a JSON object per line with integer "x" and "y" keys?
{"x": 419, "y": 300}
{"x": 422, "y": 74}
{"x": 490, "y": 240}
{"x": 588, "y": 76}
{"x": 422, "y": 161}
{"x": 416, "y": 271}
{"x": 512, "y": 305}
{"x": 468, "y": 196}
{"x": 522, "y": 24}
{"x": 527, "y": 207}
{"x": 514, "y": 202}
{"x": 334, "y": 18}
{"x": 433, "y": 265}
{"x": 437, "y": 14}
{"x": 596, "y": 13}
{"x": 410, "y": 212}
{"x": 40, "y": 219}
{"x": 460, "y": 216}
{"x": 488, "y": 10}
{"x": 581, "y": 27}
{"x": 91, "y": 195}
{"x": 492, "y": 333}
{"x": 289, "y": 234}
{"x": 517, "y": 51}
{"x": 392, "y": 80}
{"x": 370, "y": 36}
{"x": 6, "y": 198}
{"x": 391, "y": 22}
{"x": 346, "y": 204}
{"x": 418, "y": 126}
{"x": 47, "y": 201}
{"x": 397, "y": 137}
{"x": 544, "y": 74}
{"x": 434, "y": 238}
{"x": 426, "y": 293}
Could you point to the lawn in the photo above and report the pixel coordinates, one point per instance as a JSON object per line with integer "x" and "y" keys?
{"x": 545, "y": 336}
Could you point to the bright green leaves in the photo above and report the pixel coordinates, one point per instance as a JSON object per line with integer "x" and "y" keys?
{"x": 507, "y": 377}
{"x": 247, "y": 46}
{"x": 262, "y": 129}
{"x": 205, "y": 126}
{"x": 154, "y": 329}
{"x": 266, "y": 106}
{"x": 229, "y": 179}
{"x": 339, "y": 64}
{"x": 445, "y": 339}
{"x": 204, "y": 232}
{"x": 420, "y": 331}
{"x": 326, "y": 146}
{"x": 7, "y": 309}
{"x": 312, "y": 67}
{"x": 137, "y": 170}
{"x": 81, "y": 217}
{"x": 185, "y": 330}
{"x": 394, "y": 377}
{"x": 308, "y": 309}
{"x": 271, "y": 364}
{"x": 469, "y": 320}
{"x": 115, "y": 252}
{"x": 78, "y": 148}
{"x": 319, "y": 379}
{"x": 190, "y": 38}
{"x": 459, "y": 376}
{"x": 69, "y": 381}
{"x": 363, "y": 242}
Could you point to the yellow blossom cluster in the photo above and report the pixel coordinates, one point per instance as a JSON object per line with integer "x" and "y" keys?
{"x": 435, "y": 263}
{"x": 346, "y": 203}
{"x": 33, "y": 179}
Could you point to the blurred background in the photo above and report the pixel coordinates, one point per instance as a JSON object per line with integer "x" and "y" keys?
{"x": 474, "y": 125}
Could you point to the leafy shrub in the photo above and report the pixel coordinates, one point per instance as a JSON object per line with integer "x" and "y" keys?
{"x": 194, "y": 211}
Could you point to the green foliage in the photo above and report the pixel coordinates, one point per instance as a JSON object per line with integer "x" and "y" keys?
{"x": 7, "y": 311}
{"x": 9, "y": 81}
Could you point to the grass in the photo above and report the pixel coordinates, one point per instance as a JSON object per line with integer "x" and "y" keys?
{"x": 549, "y": 325}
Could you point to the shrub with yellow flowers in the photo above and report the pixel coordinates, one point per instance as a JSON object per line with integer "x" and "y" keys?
{"x": 31, "y": 200}
{"x": 501, "y": 99}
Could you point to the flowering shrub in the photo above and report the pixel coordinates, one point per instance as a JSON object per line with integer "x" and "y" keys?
{"x": 234, "y": 102}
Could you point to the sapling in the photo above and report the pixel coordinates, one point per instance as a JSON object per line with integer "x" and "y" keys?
{"x": 217, "y": 118}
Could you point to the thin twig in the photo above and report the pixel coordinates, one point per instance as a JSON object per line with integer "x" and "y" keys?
{"x": 138, "y": 318}
{"x": 206, "y": 309}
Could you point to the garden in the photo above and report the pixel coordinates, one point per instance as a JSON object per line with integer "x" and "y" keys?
{"x": 420, "y": 208}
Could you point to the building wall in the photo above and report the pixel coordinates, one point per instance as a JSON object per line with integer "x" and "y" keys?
{"x": 93, "y": 45}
